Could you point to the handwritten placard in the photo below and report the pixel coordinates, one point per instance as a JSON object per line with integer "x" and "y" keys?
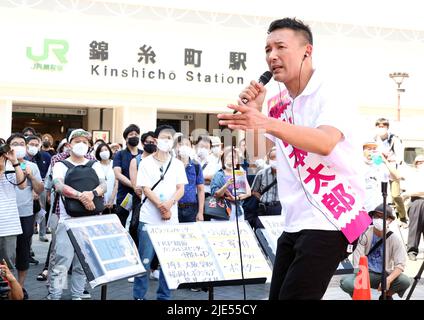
{"x": 206, "y": 251}
{"x": 274, "y": 227}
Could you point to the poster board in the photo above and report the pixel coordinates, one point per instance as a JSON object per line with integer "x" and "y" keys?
{"x": 273, "y": 228}
{"x": 207, "y": 252}
{"x": 105, "y": 249}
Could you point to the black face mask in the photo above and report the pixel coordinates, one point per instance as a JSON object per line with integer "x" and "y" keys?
{"x": 46, "y": 144}
{"x": 150, "y": 148}
{"x": 133, "y": 141}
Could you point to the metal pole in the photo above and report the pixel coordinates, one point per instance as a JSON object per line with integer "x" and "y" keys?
{"x": 383, "y": 271}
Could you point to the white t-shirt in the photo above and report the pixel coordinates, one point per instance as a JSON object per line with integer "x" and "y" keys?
{"x": 212, "y": 167}
{"x": 59, "y": 172}
{"x": 9, "y": 217}
{"x": 148, "y": 174}
{"x": 110, "y": 180}
{"x": 414, "y": 181}
{"x": 316, "y": 106}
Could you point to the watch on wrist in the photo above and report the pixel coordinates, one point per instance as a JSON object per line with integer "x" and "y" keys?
{"x": 95, "y": 193}
{"x": 15, "y": 165}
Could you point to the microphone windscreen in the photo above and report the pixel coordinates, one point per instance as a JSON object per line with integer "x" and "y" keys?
{"x": 265, "y": 77}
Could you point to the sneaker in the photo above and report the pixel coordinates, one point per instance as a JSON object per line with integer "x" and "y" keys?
{"x": 43, "y": 239}
{"x": 196, "y": 289}
{"x": 154, "y": 275}
{"x": 42, "y": 276}
{"x": 85, "y": 295}
{"x": 33, "y": 261}
{"x": 131, "y": 280}
{"x": 76, "y": 298}
{"x": 412, "y": 256}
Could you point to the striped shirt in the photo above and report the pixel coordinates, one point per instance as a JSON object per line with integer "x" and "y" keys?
{"x": 9, "y": 217}
{"x": 264, "y": 178}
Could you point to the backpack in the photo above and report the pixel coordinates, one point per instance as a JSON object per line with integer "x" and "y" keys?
{"x": 81, "y": 178}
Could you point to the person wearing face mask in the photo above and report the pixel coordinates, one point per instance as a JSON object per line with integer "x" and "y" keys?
{"x": 10, "y": 226}
{"x": 376, "y": 170}
{"x": 149, "y": 147}
{"x": 64, "y": 152}
{"x": 24, "y": 200}
{"x": 391, "y": 149}
{"x": 369, "y": 245}
{"x": 222, "y": 185}
{"x": 191, "y": 205}
{"x": 269, "y": 202}
{"x": 104, "y": 155}
{"x": 42, "y": 160}
{"x": 213, "y": 164}
{"x": 203, "y": 149}
{"x": 168, "y": 176}
{"x": 121, "y": 166}
{"x": 415, "y": 192}
{"x": 63, "y": 253}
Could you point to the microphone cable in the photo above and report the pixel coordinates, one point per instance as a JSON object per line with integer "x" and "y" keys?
{"x": 236, "y": 203}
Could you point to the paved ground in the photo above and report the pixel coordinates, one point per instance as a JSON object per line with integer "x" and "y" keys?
{"x": 122, "y": 290}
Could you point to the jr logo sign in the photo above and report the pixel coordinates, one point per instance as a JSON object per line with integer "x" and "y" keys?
{"x": 58, "y": 47}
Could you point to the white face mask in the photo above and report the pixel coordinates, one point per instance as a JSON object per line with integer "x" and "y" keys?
{"x": 104, "y": 155}
{"x": 378, "y": 223}
{"x": 80, "y": 149}
{"x": 202, "y": 153}
{"x": 184, "y": 152}
{"x": 216, "y": 151}
{"x": 165, "y": 144}
{"x": 32, "y": 150}
{"x": 381, "y": 131}
{"x": 273, "y": 164}
{"x": 20, "y": 152}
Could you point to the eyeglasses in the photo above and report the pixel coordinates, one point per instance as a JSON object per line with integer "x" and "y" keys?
{"x": 17, "y": 144}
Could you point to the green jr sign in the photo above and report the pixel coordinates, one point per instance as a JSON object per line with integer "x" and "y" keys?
{"x": 56, "y": 47}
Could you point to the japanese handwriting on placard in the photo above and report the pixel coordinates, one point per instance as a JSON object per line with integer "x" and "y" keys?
{"x": 147, "y": 54}
{"x": 193, "y": 57}
{"x": 237, "y": 60}
{"x": 99, "y": 50}
{"x": 315, "y": 174}
{"x": 338, "y": 201}
{"x": 299, "y": 156}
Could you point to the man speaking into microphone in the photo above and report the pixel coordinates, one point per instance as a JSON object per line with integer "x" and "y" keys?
{"x": 317, "y": 163}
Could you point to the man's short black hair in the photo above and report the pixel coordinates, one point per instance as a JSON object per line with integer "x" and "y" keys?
{"x": 163, "y": 127}
{"x": 293, "y": 24}
{"x": 204, "y": 138}
{"x": 145, "y": 135}
{"x": 382, "y": 121}
{"x": 33, "y": 132}
{"x": 29, "y": 138}
{"x": 131, "y": 128}
{"x": 16, "y": 135}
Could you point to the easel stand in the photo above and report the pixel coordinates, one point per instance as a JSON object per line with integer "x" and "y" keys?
{"x": 210, "y": 285}
{"x": 416, "y": 279}
{"x": 103, "y": 292}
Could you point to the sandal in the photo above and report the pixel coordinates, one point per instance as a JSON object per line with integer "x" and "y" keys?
{"x": 42, "y": 276}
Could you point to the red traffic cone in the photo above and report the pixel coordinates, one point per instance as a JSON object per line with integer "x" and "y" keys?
{"x": 362, "y": 286}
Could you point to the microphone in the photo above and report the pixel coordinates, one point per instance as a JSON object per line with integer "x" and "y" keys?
{"x": 264, "y": 79}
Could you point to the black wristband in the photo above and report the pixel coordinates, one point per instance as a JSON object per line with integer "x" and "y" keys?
{"x": 15, "y": 165}
{"x": 95, "y": 193}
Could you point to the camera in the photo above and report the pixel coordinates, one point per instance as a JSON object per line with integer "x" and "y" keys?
{"x": 4, "y": 148}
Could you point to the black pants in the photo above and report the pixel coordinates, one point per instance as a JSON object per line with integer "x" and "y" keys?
{"x": 23, "y": 243}
{"x": 304, "y": 263}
